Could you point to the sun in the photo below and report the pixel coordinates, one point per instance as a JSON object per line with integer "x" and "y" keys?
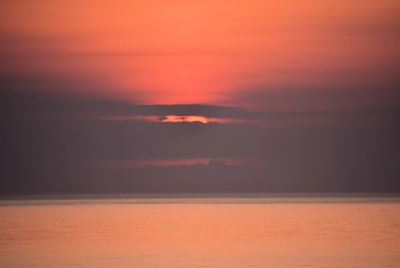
{"x": 175, "y": 118}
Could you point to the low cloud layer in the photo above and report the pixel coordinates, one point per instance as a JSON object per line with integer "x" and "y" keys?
{"x": 48, "y": 141}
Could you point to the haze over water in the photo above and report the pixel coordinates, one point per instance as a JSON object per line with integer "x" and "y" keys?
{"x": 178, "y": 231}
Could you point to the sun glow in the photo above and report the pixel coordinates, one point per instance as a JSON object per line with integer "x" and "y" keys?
{"x": 206, "y": 51}
{"x": 174, "y": 118}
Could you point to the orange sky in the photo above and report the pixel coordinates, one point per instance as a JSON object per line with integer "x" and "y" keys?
{"x": 175, "y": 51}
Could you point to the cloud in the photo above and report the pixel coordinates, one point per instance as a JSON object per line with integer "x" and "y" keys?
{"x": 140, "y": 162}
{"x": 320, "y": 98}
{"x": 38, "y": 98}
{"x": 46, "y": 149}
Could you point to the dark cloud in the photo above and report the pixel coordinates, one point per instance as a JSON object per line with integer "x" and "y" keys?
{"x": 33, "y": 97}
{"x": 314, "y": 98}
{"x": 47, "y": 143}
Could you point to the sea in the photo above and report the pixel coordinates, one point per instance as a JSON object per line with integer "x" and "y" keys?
{"x": 221, "y": 230}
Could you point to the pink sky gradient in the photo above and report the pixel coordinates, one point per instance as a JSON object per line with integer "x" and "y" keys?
{"x": 205, "y": 51}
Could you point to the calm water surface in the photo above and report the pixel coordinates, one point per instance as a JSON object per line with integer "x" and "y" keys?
{"x": 201, "y": 232}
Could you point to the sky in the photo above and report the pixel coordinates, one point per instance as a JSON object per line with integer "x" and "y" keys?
{"x": 213, "y": 95}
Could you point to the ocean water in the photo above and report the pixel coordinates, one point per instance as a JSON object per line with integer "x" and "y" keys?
{"x": 185, "y": 231}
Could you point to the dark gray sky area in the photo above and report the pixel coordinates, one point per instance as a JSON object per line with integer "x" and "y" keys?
{"x": 53, "y": 142}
